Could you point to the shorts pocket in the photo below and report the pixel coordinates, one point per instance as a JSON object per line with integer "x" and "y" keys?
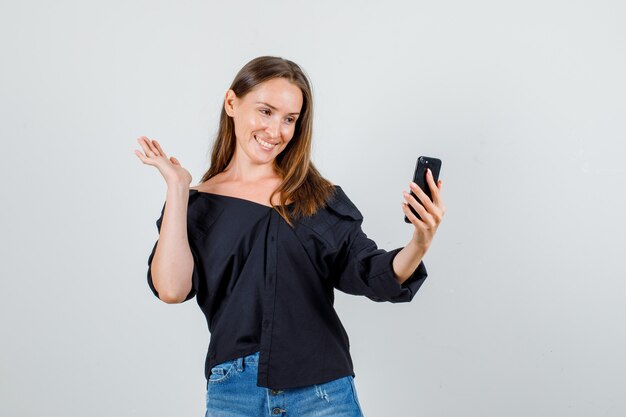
{"x": 222, "y": 372}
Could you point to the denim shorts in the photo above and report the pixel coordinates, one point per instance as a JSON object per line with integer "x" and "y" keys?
{"x": 232, "y": 391}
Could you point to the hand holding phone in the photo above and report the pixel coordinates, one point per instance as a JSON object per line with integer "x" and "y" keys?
{"x": 419, "y": 177}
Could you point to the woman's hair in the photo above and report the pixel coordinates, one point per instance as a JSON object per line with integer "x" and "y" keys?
{"x": 302, "y": 183}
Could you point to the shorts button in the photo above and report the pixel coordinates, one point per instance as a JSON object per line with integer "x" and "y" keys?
{"x": 277, "y": 410}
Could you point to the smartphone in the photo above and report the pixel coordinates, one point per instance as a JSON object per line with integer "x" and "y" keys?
{"x": 419, "y": 177}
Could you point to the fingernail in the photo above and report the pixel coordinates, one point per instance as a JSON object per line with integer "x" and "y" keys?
{"x": 430, "y": 172}
{"x": 413, "y": 184}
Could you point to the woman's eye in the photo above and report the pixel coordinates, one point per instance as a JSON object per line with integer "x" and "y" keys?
{"x": 267, "y": 112}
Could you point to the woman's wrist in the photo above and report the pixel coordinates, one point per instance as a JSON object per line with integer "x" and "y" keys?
{"x": 178, "y": 186}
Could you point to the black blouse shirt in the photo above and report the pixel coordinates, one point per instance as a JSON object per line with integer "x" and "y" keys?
{"x": 266, "y": 287}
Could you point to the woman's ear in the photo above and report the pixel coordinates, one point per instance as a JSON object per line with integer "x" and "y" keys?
{"x": 230, "y": 100}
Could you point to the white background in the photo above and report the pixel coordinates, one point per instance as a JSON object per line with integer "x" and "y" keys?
{"x": 523, "y": 311}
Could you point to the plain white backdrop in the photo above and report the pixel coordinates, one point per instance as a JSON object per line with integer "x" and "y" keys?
{"x": 525, "y": 103}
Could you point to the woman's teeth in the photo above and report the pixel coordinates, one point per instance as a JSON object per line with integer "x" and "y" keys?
{"x": 265, "y": 144}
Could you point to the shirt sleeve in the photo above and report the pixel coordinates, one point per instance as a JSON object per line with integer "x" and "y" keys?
{"x": 195, "y": 275}
{"x": 362, "y": 268}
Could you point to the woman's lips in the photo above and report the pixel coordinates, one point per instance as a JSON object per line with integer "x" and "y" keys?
{"x": 264, "y": 145}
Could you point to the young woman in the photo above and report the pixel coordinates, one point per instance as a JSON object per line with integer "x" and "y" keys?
{"x": 262, "y": 242}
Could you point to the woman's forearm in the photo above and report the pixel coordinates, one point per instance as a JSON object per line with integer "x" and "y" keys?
{"x": 172, "y": 265}
{"x": 407, "y": 260}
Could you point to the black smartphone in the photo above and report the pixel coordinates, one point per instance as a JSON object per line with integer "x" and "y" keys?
{"x": 419, "y": 177}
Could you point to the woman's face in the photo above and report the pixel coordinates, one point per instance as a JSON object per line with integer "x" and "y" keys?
{"x": 265, "y": 118}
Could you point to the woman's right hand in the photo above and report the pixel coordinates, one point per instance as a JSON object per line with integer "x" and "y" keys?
{"x": 170, "y": 168}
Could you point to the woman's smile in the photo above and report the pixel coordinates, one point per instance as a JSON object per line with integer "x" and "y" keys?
{"x": 266, "y": 146}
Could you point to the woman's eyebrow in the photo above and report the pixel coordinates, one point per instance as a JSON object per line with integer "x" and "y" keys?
{"x": 271, "y": 107}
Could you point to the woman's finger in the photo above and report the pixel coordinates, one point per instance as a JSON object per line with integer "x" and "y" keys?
{"x": 422, "y": 196}
{"x": 436, "y": 193}
{"x": 158, "y": 146}
{"x": 412, "y": 217}
{"x": 434, "y": 189}
{"x": 141, "y": 156}
{"x": 150, "y": 150}
{"x": 426, "y": 217}
{"x": 153, "y": 147}
{"x": 442, "y": 207}
{"x": 143, "y": 142}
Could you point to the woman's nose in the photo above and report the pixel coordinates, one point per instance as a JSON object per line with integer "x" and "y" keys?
{"x": 273, "y": 128}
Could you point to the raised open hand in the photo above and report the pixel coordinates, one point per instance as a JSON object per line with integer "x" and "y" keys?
{"x": 170, "y": 168}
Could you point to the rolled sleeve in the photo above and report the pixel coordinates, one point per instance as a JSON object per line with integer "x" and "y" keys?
{"x": 365, "y": 269}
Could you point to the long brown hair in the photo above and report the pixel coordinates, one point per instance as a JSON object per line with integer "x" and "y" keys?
{"x": 302, "y": 183}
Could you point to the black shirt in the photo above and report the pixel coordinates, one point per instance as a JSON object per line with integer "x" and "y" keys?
{"x": 266, "y": 287}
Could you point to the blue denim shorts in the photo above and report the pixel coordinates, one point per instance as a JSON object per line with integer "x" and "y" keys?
{"x": 232, "y": 392}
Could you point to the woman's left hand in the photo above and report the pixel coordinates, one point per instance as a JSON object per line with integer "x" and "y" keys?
{"x": 430, "y": 211}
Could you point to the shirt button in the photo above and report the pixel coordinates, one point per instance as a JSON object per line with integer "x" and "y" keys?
{"x": 272, "y": 238}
